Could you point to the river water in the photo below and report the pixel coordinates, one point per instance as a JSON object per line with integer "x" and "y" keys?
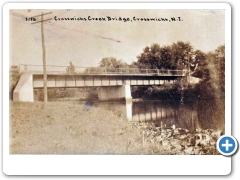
{"x": 199, "y": 114}
{"x": 166, "y": 114}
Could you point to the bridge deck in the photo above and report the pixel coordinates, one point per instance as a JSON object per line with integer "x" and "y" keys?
{"x": 101, "y": 71}
{"x": 103, "y": 74}
{"x": 82, "y": 81}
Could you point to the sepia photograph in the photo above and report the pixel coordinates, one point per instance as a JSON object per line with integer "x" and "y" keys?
{"x": 116, "y": 81}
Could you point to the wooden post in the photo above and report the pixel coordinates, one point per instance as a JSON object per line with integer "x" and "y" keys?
{"x": 44, "y": 62}
{"x": 188, "y": 67}
{"x": 43, "y": 54}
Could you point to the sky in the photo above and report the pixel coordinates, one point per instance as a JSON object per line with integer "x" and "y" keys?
{"x": 85, "y": 43}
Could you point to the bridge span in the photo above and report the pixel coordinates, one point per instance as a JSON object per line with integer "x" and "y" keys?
{"x": 114, "y": 83}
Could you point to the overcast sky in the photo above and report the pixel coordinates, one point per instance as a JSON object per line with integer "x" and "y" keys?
{"x": 85, "y": 43}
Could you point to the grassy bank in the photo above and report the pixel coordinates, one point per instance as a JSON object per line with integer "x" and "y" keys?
{"x": 70, "y": 128}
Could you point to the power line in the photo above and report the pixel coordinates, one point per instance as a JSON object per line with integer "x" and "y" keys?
{"x": 85, "y": 32}
{"x": 24, "y": 22}
{"x": 67, "y": 28}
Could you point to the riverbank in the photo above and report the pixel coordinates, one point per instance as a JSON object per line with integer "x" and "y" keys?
{"x": 73, "y": 127}
{"x": 70, "y": 128}
{"x": 178, "y": 141}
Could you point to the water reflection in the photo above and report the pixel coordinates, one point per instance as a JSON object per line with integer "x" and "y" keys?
{"x": 162, "y": 114}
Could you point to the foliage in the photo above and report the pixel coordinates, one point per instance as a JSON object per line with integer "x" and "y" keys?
{"x": 181, "y": 55}
{"x": 13, "y": 79}
{"x": 211, "y": 90}
{"x": 92, "y": 93}
{"x": 112, "y": 62}
{"x": 107, "y": 64}
{"x": 150, "y": 57}
{"x": 176, "y": 56}
{"x": 164, "y": 92}
{"x": 70, "y": 69}
{"x": 217, "y": 60}
{"x": 175, "y": 92}
{"x": 202, "y": 70}
{"x": 213, "y": 75}
{"x": 94, "y": 70}
{"x": 54, "y": 93}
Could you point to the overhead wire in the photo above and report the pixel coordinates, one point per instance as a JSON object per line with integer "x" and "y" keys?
{"x": 65, "y": 28}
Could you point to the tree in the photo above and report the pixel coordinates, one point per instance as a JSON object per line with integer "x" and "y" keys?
{"x": 150, "y": 58}
{"x": 211, "y": 90}
{"x": 107, "y": 64}
{"x": 70, "y": 69}
{"x": 201, "y": 69}
{"x": 177, "y": 56}
{"x": 181, "y": 55}
{"x": 166, "y": 58}
{"x": 14, "y": 75}
{"x": 220, "y": 63}
{"x": 111, "y": 62}
{"x": 212, "y": 71}
{"x": 216, "y": 61}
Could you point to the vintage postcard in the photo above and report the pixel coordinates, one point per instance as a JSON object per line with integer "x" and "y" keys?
{"x": 103, "y": 79}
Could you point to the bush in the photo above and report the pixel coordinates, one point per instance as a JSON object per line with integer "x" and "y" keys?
{"x": 13, "y": 80}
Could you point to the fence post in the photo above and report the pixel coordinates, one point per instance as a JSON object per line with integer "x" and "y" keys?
{"x": 25, "y": 67}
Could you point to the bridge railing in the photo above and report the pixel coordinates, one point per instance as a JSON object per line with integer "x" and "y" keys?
{"x": 51, "y": 69}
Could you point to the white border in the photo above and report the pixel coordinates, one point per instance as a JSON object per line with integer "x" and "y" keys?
{"x": 114, "y": 164}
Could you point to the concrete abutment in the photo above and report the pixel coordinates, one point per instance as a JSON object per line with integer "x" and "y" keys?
{"x": 24, "y": 89}
{"x": 114, "y": 93}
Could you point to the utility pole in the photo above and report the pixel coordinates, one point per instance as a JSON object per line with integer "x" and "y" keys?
{"x": 188, "y": 66}
{"x": 43, "y": 54}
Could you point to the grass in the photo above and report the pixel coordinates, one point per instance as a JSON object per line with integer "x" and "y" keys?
{"x": 69, "y": 128}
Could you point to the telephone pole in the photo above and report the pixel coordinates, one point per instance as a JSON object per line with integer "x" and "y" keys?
{"x": 43, "y": 54}
{"x": 188, "y": 65}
